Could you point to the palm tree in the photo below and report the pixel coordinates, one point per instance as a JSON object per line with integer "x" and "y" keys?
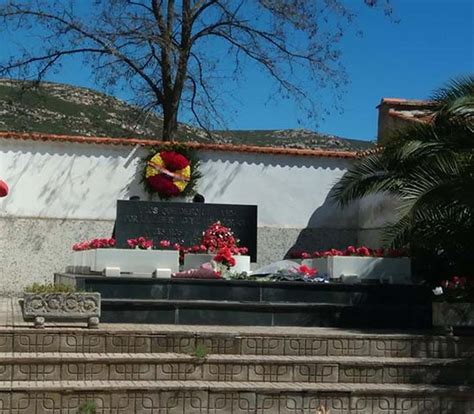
{"x": 429, "y": 169}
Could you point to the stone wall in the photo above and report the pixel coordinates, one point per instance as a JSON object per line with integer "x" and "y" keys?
{"x": 62, "y": 193}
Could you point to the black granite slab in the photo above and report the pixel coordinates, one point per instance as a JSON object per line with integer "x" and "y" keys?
{"x": 227, "y": 302}
{"x": 265, "y": 314}
{"x": 249, "y": 291}
{"x": 184, "y": 223}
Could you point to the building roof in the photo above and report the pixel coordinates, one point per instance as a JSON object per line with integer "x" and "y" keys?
{"x": 409, "y": 109}
{"x": 195, "y": 145}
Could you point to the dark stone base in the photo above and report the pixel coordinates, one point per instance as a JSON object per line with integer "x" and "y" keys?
{"x": 222, "y": 302}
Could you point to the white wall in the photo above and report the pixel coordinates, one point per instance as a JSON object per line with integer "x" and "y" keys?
{"x": 61, "y": 193}
{"x": 83, "y": 181}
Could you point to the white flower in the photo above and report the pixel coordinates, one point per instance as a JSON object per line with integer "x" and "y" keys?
{"x": 438, "y": 290}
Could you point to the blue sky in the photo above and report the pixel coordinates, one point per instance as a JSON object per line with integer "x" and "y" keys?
{"x": 432, "y": 42}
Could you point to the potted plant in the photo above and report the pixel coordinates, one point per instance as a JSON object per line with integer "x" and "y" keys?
{"x": 60, "y": 303}
{"x": 454, "y": 303}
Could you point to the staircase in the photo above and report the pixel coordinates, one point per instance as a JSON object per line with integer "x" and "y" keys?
{"x": 157, "y": 369}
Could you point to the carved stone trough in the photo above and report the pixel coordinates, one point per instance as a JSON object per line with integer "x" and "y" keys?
{"x": 55, "y": 307}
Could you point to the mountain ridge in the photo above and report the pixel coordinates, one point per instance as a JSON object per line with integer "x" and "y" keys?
{"x": 69, "y": 110}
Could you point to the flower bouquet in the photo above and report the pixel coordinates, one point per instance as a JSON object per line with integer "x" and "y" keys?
{"x": 218, "y": 242}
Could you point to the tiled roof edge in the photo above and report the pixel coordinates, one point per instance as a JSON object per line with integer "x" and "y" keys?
{"x": 196, "y": 145}
{"x": 407, "y": 102}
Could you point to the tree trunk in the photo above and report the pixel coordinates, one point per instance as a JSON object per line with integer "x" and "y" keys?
{"x": 170, "y": 122}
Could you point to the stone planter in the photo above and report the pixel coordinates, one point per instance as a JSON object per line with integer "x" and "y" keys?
{"x": 449, "y": 315}
{"x": 77, "y": 306}
{"x": 195, "y": 260}
{"x": 127, "y": 260}
{"x": 357, "y": 269}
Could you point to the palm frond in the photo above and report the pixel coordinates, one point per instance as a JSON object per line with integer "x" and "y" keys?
{"x": 367, "y": 176}
{"x": 459, "y": 87}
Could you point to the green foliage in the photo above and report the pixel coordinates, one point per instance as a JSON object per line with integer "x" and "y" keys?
{"x": 50, "y": 288}
{"x": 429, "y": 170}
{"x": 89, "y": 407}
{"x": 200, "y": 351}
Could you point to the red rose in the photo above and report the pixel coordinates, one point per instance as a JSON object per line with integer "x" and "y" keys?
{"x": 176, "y": 246}
{"x": 316, "y": 254}
{"x": 351, "y": 250}
{"x": 363, "y": 251}
{"x": 173, "y": 160}
{"x": 305, "y": 255}
{"x": 165, "y": 243}
{"x": 147, "y": 244}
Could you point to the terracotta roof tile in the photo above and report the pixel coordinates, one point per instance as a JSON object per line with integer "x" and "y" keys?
{"x": 196, "y": 145}
{"x": 407, "y": 102}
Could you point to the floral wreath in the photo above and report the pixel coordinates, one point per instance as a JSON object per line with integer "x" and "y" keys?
{"x": 170, "y": 171}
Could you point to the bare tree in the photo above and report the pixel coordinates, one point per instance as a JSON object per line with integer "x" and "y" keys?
{"x": 173, "y": 54}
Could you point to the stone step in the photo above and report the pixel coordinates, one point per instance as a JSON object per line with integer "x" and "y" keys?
{"x": 16, "y": 366}
{"x": 231, "y": 313}
{"x": 289, "y": 341}
{"x": 192, "y": 397}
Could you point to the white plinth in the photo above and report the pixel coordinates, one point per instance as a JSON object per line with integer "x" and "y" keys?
{"x": 128, "y": 260}
{"x": 196, "y": 260}
{"x": 383, "y": 269}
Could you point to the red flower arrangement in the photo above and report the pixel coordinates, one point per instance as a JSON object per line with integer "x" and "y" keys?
{"x": 140, "y": 243}
{"x": 307, "y": 271}
{"x": 362, "y": 251}
{"x": 168, "y": 173}
{"x": 218, "y": 236}
{"x": 171, "y": 170}
{"x": 94, "y": 244}
{"x": 224, "y": 256}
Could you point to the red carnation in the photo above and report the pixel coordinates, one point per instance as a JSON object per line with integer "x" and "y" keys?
{"x": 163, "y": 184}
{"x": 173, "y": 160}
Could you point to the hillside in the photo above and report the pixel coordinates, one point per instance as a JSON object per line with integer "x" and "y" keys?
{"x": 65, "y": 109}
